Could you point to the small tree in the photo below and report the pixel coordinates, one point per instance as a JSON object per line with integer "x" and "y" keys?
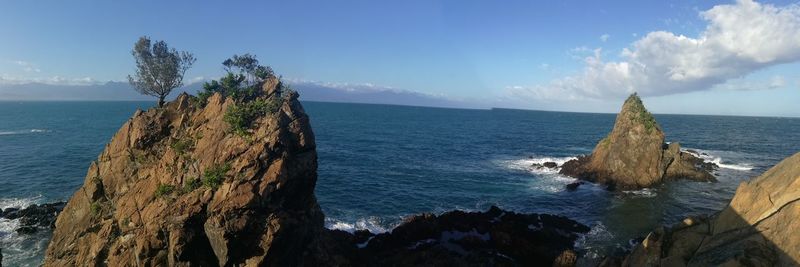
{"x": 159, "y": 68}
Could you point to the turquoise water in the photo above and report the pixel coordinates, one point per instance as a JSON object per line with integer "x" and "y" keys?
{"x": 381, "y": 163}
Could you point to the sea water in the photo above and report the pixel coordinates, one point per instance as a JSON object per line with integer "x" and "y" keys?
{"x": 380, "y": 163}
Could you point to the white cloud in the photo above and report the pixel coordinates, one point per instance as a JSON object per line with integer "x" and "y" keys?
{"x": 26, "y": 66}
{"x": 741, "y": 84}
{"x": 54, "y": 80}
{"x": 604, "y": 37}
{"x": 738, "y": 39}
{"x": 544, "y": 66}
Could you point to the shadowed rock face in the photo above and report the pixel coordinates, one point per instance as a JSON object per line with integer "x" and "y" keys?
{"x": 634, "y": 154}
{"x": 758, "y": 228}
{"x": 143, "y": 202}
{"x": 492, "y": 238}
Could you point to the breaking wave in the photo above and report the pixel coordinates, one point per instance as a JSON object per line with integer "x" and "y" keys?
{"x": 372, "y": 224}
{"x": 708, "y": 156}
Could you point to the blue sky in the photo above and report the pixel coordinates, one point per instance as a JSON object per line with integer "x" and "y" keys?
{"x": 558, "y": 55}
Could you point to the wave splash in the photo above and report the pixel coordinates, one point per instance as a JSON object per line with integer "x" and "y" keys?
{"x": 372, "y": 224}
{"x": 708, "y": 156}
{"x": 21, "y": 250}
{"x": 551, "y": 181}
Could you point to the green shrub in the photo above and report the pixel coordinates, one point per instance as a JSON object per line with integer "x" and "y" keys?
{"x": 181, "y": 146}
{"x": 605, "y": 142}
{"x": 191, "y": 185}
{"x": 164, "y": 189}
{"x": 214, "y": 176}
{"x": 641, "y": 115}
{"x": 240, "y": 117}
{"x": 95, "y": 208}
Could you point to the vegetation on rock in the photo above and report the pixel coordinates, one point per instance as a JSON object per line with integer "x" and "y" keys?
{"x": 181, "y": 146}
{"x": 163, "y": 190}
{"x": 214, "y": 176}
{"x": 639, "y": 113}
{"x": 240, "y": 117}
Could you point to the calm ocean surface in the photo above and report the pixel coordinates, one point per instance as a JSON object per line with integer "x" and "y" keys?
{"x": 378, "y": 164}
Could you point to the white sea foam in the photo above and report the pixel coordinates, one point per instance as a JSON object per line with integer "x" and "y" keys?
{"x": 645, "y": 192}
{"x": 531, "y": 164}
{"x": 19, "y": 203}
{"x": 708, "y": 156}
{"x": 372, "y": 224}
{"x": 549, "y": 178}
{"x": 17, "y": 247}
{"x": 24, "y": 131}
{"x": 598, "y": 234}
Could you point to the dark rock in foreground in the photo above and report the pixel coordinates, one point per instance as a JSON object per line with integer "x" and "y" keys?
{"x": 492, "y": 238}
{"x": 635, "y": 156}
{"x": 34, "y": 217}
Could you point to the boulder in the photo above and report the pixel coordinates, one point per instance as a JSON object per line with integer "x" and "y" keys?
{"x": 758, "y": 228}
{"x": 634, "y": 154}
{"x": 175, "y": 187}
{"x": 550, "y": 164}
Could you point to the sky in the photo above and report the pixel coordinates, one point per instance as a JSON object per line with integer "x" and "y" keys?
{"x": 685, "y": 57}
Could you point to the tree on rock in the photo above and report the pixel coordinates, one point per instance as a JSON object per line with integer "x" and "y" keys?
{"x": 159, "y": 68}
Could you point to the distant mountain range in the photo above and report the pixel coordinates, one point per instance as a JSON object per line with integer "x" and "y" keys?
{"x": 309, "y": 91}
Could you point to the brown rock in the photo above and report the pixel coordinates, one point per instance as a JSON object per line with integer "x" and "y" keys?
{"x": 262, "y": 213}
{"x": 758, "y": 228}
{"x": 633, "y": 155}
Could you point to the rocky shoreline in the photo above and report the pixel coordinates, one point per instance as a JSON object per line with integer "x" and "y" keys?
{"x": 35, "y": 217}
{"x": 176, "y": 187}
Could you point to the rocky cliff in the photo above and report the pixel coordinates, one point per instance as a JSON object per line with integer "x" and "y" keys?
{"x": 759, "y": 227}
{"x": 174, "y": 187}
{"x": 634, "y": 155}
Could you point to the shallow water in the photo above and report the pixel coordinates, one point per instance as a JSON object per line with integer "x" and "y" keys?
{"x": 381, "y": 163}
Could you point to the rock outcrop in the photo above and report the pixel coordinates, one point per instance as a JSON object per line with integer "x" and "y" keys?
{"x": 175, "y": 187}
{"x": 492, "y": 238}
{"x": 634, "y": 155}
{"x": 34, "y": 217}
{"x": 759, "y": 227}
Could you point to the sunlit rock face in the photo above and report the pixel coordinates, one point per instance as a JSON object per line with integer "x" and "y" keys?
{"x": 174, "y": 187}
{"x": 759, "y": 227}
{"x": 634, "y": 154}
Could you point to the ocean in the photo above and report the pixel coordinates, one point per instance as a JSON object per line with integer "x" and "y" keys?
{"x": 379, "y": 164}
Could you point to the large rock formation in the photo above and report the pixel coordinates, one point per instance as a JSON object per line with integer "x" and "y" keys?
{"x": 634, "y": 154}
{"x": 759, "y": 227}
{"x": 175, "y": 188}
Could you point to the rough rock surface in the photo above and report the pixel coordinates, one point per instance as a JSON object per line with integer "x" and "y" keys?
{"x": 634, "y": 154}
{"x": 759, "y": 227}
{"x": 150, "y": 198}
{"x": 492, "y": 238}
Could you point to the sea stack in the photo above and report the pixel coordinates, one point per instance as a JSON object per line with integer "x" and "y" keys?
{"x": 175, "y": 187}
{"x": 758, "y": 228}
{"x": 634, "y": 155}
